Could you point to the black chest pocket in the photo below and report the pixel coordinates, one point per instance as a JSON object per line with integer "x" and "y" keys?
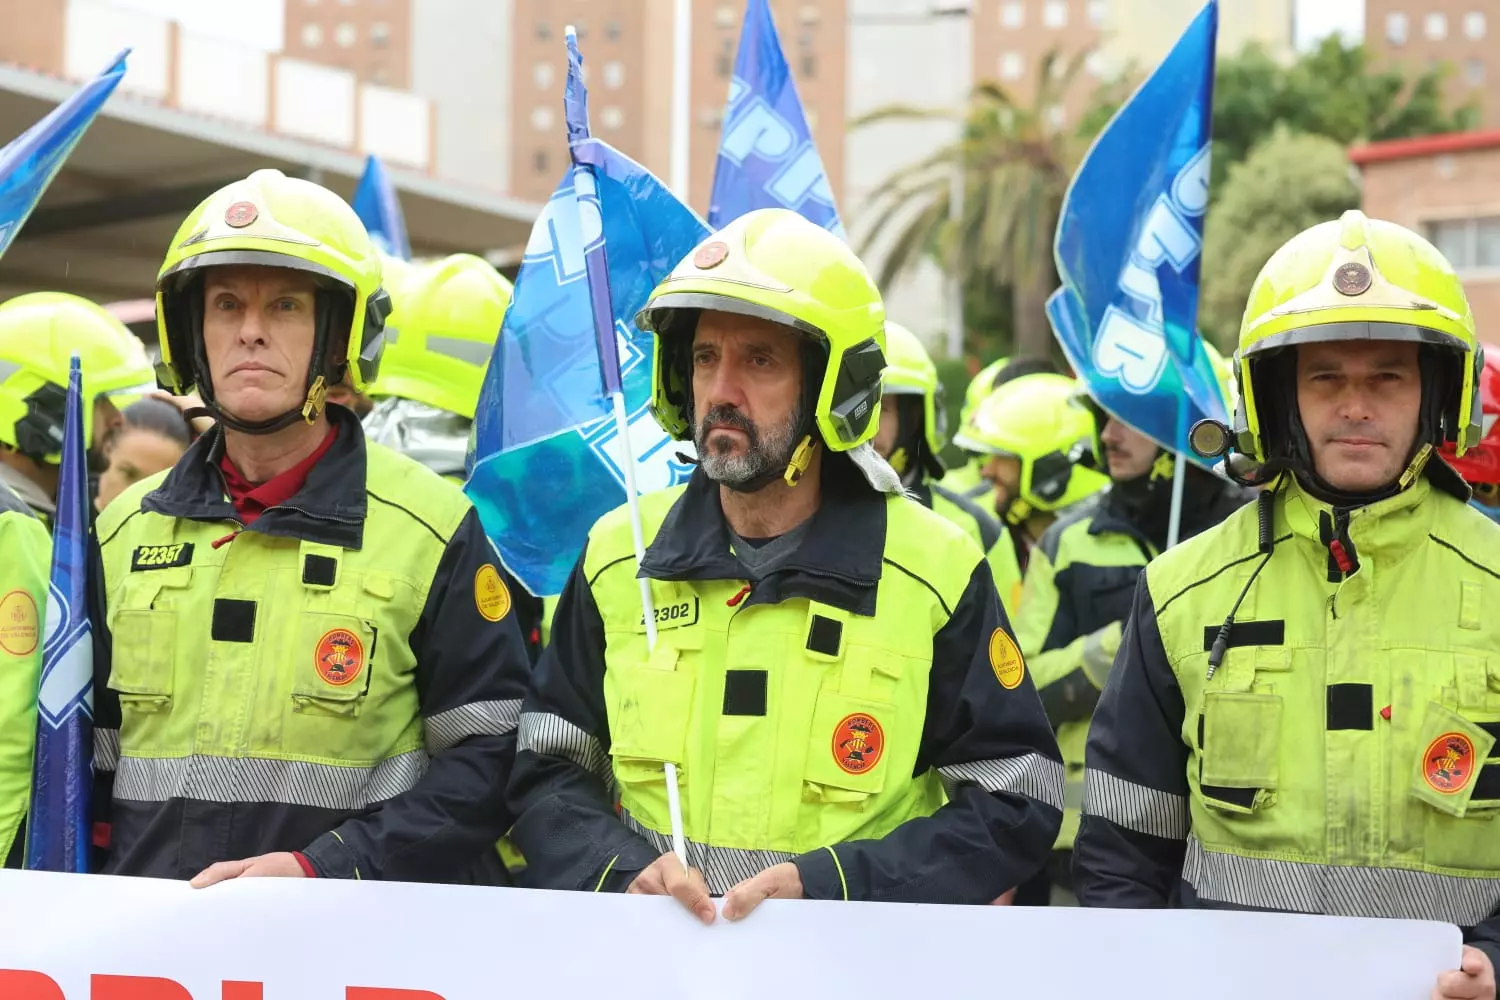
{"x": 1101, "y": 594}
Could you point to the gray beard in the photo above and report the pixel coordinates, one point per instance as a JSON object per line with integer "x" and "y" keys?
{"x": 767, "y": 453}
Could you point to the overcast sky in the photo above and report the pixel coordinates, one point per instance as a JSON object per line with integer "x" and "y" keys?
{"x": 250, "y": 22}
{"x": 1317, "y": 18}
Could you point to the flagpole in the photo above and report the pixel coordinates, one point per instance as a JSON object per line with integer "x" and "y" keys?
{"x": 680, "y": 164}
{"x": 597, "y": 269}
{"x": 1179, "y": 472}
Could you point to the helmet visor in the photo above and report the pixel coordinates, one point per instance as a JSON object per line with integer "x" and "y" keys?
{"x": 1324, "y": 333}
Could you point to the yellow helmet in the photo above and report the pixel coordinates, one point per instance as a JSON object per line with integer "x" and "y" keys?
{"x": 39, "y": 334}
{"x": 909, "y": 371}
{"x": 445, "y": 320}
{"x": 980, "y": 386}
{"x": 775, "y": 265}
{"x": 1037, "y": 420}
{"x": 271, "y": 220}
{"x": 1356, "y": 279}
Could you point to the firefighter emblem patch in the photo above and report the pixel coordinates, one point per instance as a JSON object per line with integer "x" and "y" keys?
{"x": 340, "y": 657}
{"x": 858, "y": 743}
{"x": 1448, "y": 764}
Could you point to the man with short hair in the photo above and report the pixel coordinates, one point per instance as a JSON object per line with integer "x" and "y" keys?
{"x": 825, "y": 666}
{"x": 306, "y": 659}
{"x": 1302, "y": 713}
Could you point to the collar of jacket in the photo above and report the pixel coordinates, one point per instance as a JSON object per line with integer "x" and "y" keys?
{"x": 329, "y": 509}
{"x": 1391, "y": 526}
{"x": 1207, "y": 499}
{"x": 838, "y": 562}
{"x": 30, "y": 493}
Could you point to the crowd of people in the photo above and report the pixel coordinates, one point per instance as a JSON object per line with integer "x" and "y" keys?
{"x": 866, "y": 676}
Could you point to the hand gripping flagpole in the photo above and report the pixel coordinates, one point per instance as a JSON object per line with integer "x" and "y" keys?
{"x": 583, "y": 150}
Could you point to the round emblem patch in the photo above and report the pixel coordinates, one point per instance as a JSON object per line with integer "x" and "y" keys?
{"x": 858, "y": 743}
{"x": 1005, "y": 660}
{"x": 241, "y": 214}
{"x": 491, "y": 596}
{"x": 1448, "y": 763}
{"x": 18, "y": 623}
{"x": 1352, "y": 279}
{"x": 340, "y": 657}
{"x": 711, "y": 255}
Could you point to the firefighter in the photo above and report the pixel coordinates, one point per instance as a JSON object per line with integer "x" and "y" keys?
{"x": 830, "y": 676}
{"x": 1300, "y": 715}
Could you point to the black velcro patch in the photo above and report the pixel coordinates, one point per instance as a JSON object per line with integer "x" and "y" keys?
{"x": 1351, "y": 706}
{"x": 1493, "y": 728}
{"x": 1267, "y": 633}
{"x": 319, "y": 571}
{"x": 825, "y": 635}
{"x": 1487, "y": 785}
{"x": 745, "y": 692}
{"x": 161, "y": 556}
{"x": 1242, "y": 797}
{"x": 234, "y": 621}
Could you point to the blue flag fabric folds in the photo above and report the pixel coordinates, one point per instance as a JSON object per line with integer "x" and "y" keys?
{"x": 767, "y": 158}
{"x": 377, "y": 206}
{"x": 33, "y": 158}
{"x": 58, "y": 825}
{"x": 1128, "y": 250}
{"x": 547, "y": 461}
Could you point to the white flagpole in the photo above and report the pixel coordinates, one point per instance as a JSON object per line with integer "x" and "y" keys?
{"x": 680, "y": 164}
{"x": 1179, "y": 472}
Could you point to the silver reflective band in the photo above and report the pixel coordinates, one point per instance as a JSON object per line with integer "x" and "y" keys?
{"x": 259, "y": 779}
{"x": 480, "y": 718}
{"x": 1338, "y": 890}
{"x": 106, "y": 749}
{"x": 723, "y": 867}
{"x": 468, "y": 351}
{"x": 1031, "y": 775}
{"x": 543, "y": 732}
{"x": 1134, "y": 807}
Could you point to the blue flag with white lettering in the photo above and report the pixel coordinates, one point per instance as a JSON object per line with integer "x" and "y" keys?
{"x": 58, "y": 824}
{"x": 377, "y": 206}
{"x": 767, "y": 158}
{"x": 1128, "y": 250}
{"x": 33, "y": 158}
{"x": 547, "y": 459}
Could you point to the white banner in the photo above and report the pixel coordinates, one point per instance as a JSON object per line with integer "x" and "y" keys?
{"x": 72, "y": 937}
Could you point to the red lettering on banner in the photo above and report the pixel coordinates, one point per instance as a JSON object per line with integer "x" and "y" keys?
{"x": 136, "y": 988}
{"x": 16, "y": 984}
{"x": 243, "y": 991}
{"x": 385, "y": 993}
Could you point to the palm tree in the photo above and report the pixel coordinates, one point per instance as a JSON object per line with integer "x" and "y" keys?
{"x": 1016, "y": 166}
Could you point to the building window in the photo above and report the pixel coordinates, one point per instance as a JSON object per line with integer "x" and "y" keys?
{"x": 1474, "y": 72}
{"x": 1098, "y": 12}
{"x": 380, "y": 76}
{"x": 380, "y": 34}
{"x": 614, "y": 74}
{"x": 723, "y": 65}
{"x": 1056, "y": 116}
{"x": 346, "y": 35}
{"x": 810, "y": 14}
{"x": 1396, "y": 28}
{"x": 543, "y": 31}
{"x": 726, "y": 16}
{"x": 581, "y": 29}
{"x": 811, "y": 114}
{"x": 1055, "y": 14}
{"x": 539, "y": 161}
{"x": 541, "y": 118}
{"x": 809, "y": 66}
{"x": 1469, "y": 244}
{"x": 613, "y": 31}
{"x": 312, "y": 35}
{"x": 1012, "y": 14}
{"x": 711, "y": 117}
{"x": 346, "y": 3}
{"x": 1475, "y": 24}
{"x": 1436, "y": 26}
{"x": 311, "y": 3}
{"x": 542, "y": 75}
{"x": 1012, "y": 66}
{"x": 1094, "y": 64}
{"x": 612, "y": 118}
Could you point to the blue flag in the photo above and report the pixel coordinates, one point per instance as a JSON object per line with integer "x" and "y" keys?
{"x": 377, "y": 206}
{"x": 766, "y": 155}
{"x": 33, "y": 158}
{"x": 57, "y": 835}
{"x": 1128, "y": 249}
{"x": 547, "y": 459}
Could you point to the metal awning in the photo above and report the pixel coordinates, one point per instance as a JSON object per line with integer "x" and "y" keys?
{"x": 104, "y": 225}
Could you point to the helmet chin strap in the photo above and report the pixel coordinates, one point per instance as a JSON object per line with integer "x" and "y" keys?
{"x": 316, "y": 399}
